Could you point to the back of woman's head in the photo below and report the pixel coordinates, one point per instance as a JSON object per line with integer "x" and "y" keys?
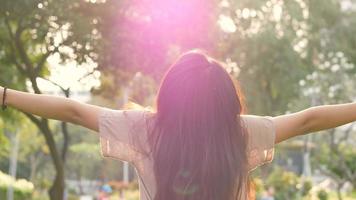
{"x": 198, "y": 144}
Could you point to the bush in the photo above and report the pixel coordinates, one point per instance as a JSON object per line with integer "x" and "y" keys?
{"x": 22, "y": 188}
{"x": 323, "y": 195}
{"x": 257, "y": 185}
{"x": 288, "y": 185}
{"x": 307, "y": 185}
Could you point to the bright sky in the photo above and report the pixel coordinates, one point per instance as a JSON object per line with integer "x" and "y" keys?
{"x": 68, "y": 75}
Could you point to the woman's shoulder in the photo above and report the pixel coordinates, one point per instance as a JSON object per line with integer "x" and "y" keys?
{"x": 123, "y": 133}
{"x": 256, "y": 119}
{"x": 258, "y": 127}
{"x": 257, "y": 124}
{"x": 128, "y": 115}
{"x": 261, "y": 139}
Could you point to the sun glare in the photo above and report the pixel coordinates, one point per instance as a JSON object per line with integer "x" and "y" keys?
{"x": 227, "y": 24}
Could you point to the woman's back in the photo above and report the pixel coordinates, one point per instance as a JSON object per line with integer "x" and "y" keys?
{"x": 124, "y": 136}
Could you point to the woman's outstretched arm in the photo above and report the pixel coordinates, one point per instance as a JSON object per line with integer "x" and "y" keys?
{"x": 53, "y": 107}
{"x": 313, "y": 119}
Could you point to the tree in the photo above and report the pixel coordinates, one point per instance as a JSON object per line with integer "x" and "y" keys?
{"x": 31, "y": 32}
{"x": 259, "y": 39}
{"x": 332, "y": 82}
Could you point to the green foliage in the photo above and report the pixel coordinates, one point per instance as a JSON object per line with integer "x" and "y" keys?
{"x": 30, "y": 33}
{"x": 45, "y": 27}
{"x": 288, "y": 185}
{"x": 323, "y": 195}
{"x": 332, "y": 82}
{"x": 86, "y": 149}
{"x": 285, "y": 184}
{"x": 307, "y": 185}
{"x": 22, "y": 188}
{"x": 4, "y": 142}
{"x": 258, "y": 186}
{"x": 340, "y": 163}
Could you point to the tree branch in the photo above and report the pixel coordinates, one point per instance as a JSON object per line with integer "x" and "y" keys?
{"x": 12, "y": 37}
{"x": 8, "y": 26}
{"x": 35, "y": 85}
{"x": 14, "y": 60}
{"x": 43, "y": 59}
{"x": 34, "y": 119}
{"x": 21, "y": 50}
{"x": 86, "y": 75}
{"x": 65, "y": 132}
{"x": 65, "y": 91}
{"x": 66, "y": 139}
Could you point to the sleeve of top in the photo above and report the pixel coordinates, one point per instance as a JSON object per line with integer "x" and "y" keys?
{"x": 118, "y": 130}
{"x": 261, "y": 140}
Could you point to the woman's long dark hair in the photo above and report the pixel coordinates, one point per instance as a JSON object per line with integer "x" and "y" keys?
{"x": 198, "y": 143}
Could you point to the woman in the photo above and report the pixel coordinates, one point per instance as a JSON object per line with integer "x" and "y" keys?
{"x": 197, "y": 144}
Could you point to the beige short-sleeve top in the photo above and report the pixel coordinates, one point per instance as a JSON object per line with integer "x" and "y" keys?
{"x": 123, "y": 135}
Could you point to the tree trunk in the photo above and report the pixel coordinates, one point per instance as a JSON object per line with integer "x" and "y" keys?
{"x": 33, "y": 166}
{"x": 57, "y": 189}
{"x": 339, "y": 195}
{"x": 13, "y": 163}
{"x": 65, "y": 133}
{"x": 64, "y": 126}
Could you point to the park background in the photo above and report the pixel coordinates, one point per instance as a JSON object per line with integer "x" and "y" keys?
{"x": 286, "y": 55}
